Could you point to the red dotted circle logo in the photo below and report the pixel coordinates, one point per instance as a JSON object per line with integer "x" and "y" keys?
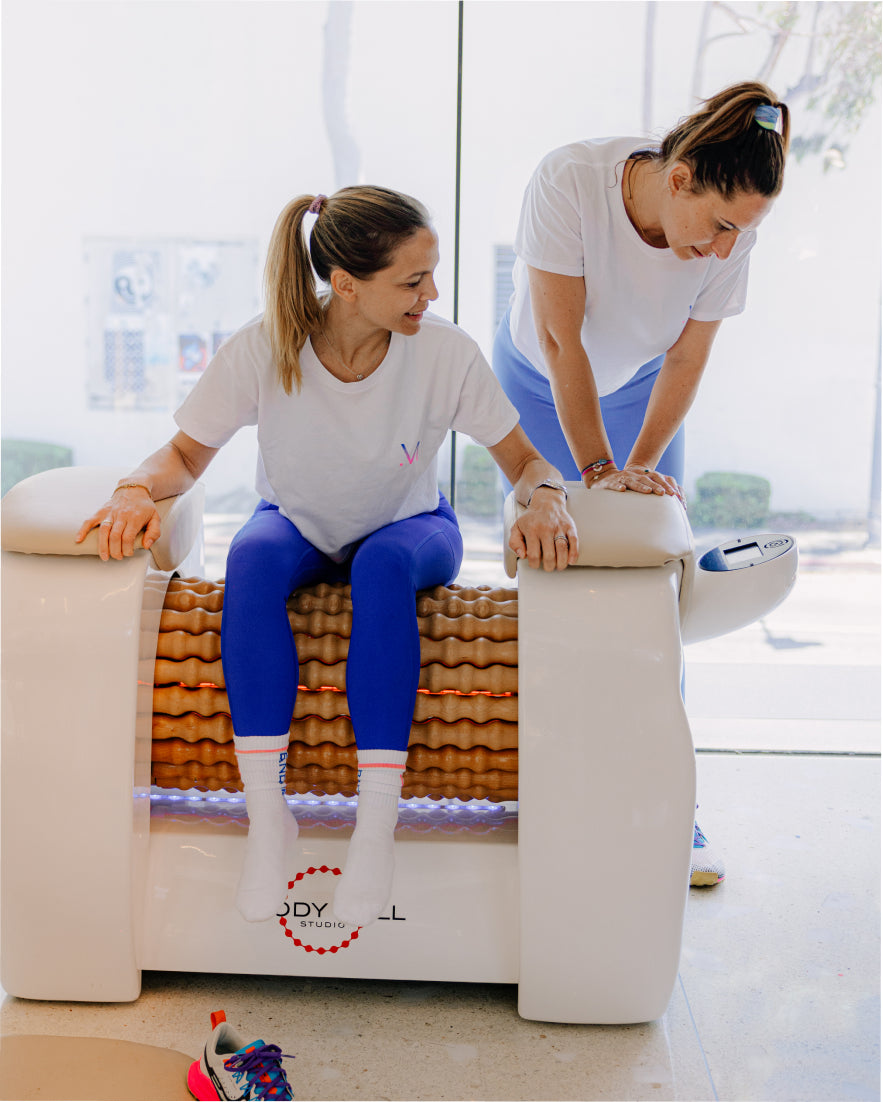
{"x": 320, "y": 949}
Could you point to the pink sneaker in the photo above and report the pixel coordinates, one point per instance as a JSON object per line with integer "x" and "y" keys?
{"x": 232, "y": 1067}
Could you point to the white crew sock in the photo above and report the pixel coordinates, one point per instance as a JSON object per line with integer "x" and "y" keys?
{"x": 271, "y": 826}
{"x": 366, "y": 883}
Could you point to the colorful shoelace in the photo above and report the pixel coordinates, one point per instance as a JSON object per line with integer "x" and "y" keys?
{"x": 263, "y": 1069}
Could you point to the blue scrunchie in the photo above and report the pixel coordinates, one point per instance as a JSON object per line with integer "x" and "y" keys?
{"x": 769, "y": 117}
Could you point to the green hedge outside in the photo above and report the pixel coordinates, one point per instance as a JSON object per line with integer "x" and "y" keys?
{"x": 21, "y": 458}
{"x": 726, "y": 499}
{"x": 478, "y": 492}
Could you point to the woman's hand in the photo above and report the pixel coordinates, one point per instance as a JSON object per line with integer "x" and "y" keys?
{"x": 545, "y": 535}
{"x": 641, "y": 479}
{"x": 170, "y": 471}
{"x": 127, "y": 512}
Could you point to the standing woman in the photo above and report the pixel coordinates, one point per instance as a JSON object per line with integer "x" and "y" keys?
{"x": 353, "y": 392}
{"x": 629, "y": 256}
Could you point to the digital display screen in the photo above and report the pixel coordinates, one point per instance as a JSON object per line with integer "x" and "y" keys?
{"x": 742, "y": 553}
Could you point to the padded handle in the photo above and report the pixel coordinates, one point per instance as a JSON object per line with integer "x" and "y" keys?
{"x": 42, "y": 514}
{"x": 616, "y": 528}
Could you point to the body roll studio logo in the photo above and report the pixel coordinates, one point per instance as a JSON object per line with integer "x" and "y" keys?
{"x": 307, "y": 917}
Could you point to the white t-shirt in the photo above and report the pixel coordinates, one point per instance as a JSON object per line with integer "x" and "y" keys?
{"x": 344, "y": 459}
{"x": 638, "y": 299}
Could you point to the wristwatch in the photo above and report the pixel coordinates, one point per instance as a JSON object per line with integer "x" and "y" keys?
{"x": 552, "y": 484}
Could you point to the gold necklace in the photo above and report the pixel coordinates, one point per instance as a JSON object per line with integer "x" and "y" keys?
{"x": 633, "y": 168}
{"x": 658, "y": 240}
{"x": 358, "y": 376}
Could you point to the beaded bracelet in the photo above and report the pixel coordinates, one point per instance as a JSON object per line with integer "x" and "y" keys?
{"x": 598, "y": 465}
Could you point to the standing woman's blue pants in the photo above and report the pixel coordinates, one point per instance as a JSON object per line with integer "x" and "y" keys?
{"x": 623, "y": 411}
{"x": 269, "y": 558}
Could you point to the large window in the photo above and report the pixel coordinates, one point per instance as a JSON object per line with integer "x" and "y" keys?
{"x": 158, "y": 140}
{"x": 149, "y": 146}
{"x": 135, "y": 130}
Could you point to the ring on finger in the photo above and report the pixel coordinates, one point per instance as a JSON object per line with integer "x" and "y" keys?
{"x": 106, "y": 523}
{"x": 557, "y": 538}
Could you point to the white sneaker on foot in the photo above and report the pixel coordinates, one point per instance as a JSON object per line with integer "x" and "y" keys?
{"x": 706, "y": 868}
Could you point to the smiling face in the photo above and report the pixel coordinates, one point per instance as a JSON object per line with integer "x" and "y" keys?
{"x": 708, "y": 223}
{"x": 397, "y": 296}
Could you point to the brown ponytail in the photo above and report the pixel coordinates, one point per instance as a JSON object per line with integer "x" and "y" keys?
{"x": 357, "y": 229}
{"x": 725, "y": 146}
{"x": 293, "y": 309}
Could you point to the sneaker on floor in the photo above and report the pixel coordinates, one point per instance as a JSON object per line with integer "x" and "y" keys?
{"x": 706, "y": 869}
{"x": 232, "y": 1067}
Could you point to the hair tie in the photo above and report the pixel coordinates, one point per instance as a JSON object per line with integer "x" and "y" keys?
{"x": 316, "y": 204}
{"x": 769, "y": 117}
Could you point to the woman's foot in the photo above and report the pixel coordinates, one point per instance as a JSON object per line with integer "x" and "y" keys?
{"x": 263, "y": 881}
{"x": 364, "y": 888}
{"x": 366, "y": 883}
{"x": 272, "y": 829}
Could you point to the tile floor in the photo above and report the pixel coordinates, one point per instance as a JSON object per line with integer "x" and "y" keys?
{"x": 778, "y": 993}
{"x": 777, "y": 996}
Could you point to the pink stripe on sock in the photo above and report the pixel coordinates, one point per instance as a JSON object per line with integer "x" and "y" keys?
{"x": 275, "y": 750}
{"x": 379, "y": 765}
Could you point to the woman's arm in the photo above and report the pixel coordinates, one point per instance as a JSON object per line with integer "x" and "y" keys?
{"x": 170, "y": 471}
{"x": 673, "y": 392}
{"x": 533, "y": 534}
{"x": 558, "y": 306}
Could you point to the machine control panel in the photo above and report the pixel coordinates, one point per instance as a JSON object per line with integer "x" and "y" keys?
{"x": 747, "y": 551}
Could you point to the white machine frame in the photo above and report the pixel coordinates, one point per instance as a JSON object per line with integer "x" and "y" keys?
{"x": 579, "y": 899}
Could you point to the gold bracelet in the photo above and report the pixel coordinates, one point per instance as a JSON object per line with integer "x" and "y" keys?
{"x": 134, "y": 486}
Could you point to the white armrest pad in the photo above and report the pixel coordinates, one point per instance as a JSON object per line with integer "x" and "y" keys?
{"x": 615, "y": 528}
{"x": 42, "y": 514}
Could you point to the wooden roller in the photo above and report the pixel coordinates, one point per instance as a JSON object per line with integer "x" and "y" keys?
{"x": 191, "y": 621}
{"x": 449, "y": 706}
{"x": 453, "y": 601}
{"x": 434, "y": 677}
{"x": 449, "y": 759}
{"x": 194, "y": 605}
{"x": 496, "y": 735}
{"x": 185, "y": 594}
{"x": 177, "y": 645}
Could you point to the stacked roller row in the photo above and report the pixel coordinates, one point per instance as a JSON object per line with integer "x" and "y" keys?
{"x": 464, "y": 737}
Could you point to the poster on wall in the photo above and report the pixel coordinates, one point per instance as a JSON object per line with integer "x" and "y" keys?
{"x": 157, "y": 312}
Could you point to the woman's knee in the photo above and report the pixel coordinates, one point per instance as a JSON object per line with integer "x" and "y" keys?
{"x": 381, "y": 561}
{"x": 268, "y": 552}
{"x": 253, "y": 557}
{"x": 410, "y": 555}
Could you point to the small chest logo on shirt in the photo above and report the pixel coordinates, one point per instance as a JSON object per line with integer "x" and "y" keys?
{"x": 408, "y": 456}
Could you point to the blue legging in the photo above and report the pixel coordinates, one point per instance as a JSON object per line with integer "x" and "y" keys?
{"x": 269, "y": 558}
{"x": 623, "y": 411}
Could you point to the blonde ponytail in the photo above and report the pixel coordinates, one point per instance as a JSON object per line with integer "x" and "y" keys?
{"x": 357, "y": 230}
{"x": 293, "y": 310}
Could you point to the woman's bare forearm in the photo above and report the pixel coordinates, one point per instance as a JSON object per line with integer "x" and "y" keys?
{"x": 173, "y": 468}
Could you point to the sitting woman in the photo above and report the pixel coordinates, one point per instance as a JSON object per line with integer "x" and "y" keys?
{"x": 353, "y": 392}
